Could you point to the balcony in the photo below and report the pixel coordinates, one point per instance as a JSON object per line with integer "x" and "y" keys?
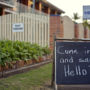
{"x": 7, "y": 3}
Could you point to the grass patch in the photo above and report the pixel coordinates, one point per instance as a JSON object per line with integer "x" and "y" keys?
{"x": 26, "y": 81}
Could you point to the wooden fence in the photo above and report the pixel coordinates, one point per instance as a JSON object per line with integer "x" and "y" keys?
{"x": 36, "y": 28}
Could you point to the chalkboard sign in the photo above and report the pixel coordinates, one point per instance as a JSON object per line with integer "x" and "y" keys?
{"x": 72, "y": 62}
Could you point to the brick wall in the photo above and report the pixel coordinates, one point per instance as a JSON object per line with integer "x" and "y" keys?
{"x": 80, "y": 31}
{"x": 86, "y": 33}
{"x": 56, "y": 28}
{"x": 76, "y": 33}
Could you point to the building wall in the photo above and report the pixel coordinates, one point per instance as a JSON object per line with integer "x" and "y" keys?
{"x": 81, "y": 31}
{"x": 88, "y": 32}
{"x": 68, "y": 27}
{"x": 56, "y": 28}
{"x": 64, "y": 27}
{"x": 76, "y": 29}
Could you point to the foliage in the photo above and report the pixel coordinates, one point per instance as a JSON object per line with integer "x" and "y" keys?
{"x": 46, "y": 50}
{"x": 85, "y": 24}
{"x": 75, "y": 17}
{"x": 16, "y": 50}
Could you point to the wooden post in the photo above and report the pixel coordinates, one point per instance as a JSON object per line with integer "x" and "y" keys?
{"x": 30, "y": 3}
{"x": 40, "y": 6}
{"x": 49, "y": 10}
{"x": 3, "y": 11}
{"x": 55, "y": 12}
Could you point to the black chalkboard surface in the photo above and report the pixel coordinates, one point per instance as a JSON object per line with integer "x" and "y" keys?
{"x": 72, "y": 63}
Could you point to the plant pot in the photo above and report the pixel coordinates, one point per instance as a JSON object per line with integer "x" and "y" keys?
{"x": 6, "y": 67}
{"x": 1, "y": 68}
{"x": 44, "y": 58}
{"x": 35, "y": 61}
{"x": 20, "y": 63}
{"x": 13, "y": 65}
{"x": 48, "y": 57}
{"x": 28, "y": 62}
{"x": 40, "y": 59}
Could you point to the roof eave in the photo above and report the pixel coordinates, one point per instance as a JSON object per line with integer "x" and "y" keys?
{"x": 51, "y": 5}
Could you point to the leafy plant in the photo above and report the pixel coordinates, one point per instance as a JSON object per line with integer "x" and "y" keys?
{"x": 75, "y": 17}
{"x": 86, "y": 24}
{"x": 46, "y": 50}
{"x": 16, "y": 50}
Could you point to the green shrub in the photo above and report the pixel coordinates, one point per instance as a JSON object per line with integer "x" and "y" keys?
{"x": 16, "y": 50}
{"x": 46, "y": 50}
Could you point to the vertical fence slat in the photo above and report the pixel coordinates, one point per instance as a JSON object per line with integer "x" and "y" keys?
{"x": 9, "y": 27}
{"x": 36, "y": 33}
{"x": 0, "y": 27}
{"x": 48, "y": 22}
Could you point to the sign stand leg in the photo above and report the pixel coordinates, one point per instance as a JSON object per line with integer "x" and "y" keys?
{"x": 53, "y": 66}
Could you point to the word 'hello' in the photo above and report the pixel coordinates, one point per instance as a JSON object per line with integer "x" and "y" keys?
{"x": 77, "y": 71}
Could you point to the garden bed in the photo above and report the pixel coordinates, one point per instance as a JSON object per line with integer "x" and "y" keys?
{"x": 21, "y": 63}
{"x": 16, "y": 54}
{"x": 22, "y": 69}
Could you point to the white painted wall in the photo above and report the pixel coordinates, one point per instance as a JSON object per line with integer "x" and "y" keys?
{"x": 68, "y": 26}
